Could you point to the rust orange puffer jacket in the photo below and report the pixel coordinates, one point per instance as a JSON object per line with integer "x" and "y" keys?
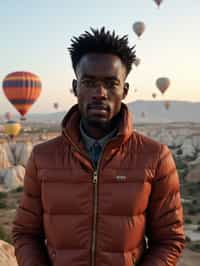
{"x": 73, "y": 215}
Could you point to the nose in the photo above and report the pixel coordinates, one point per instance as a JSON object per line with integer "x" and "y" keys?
{"x": 100, "y": 91}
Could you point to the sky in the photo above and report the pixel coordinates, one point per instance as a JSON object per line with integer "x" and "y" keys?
{"x": 35, "y": 35}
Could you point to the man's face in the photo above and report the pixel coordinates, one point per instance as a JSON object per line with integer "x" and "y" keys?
{"x": 100, "y": 87}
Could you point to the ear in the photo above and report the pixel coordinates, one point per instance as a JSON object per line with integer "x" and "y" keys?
{"x": 74, "y": 86}
{"x": 126, "y": 88}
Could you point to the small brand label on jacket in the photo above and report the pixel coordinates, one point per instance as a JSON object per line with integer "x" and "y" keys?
{"x": 121, "y": 177}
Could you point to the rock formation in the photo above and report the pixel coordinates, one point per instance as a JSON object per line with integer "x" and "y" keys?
{"x": 22, "y": 153}
{"x": 14, "y": 177}
{"x": 194, "y": 174}
{"x": 7, "y": 257}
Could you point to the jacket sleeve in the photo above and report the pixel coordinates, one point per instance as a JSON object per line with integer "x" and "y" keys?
{"x": 27, "y": 232}
{"x": 164, "y": 224}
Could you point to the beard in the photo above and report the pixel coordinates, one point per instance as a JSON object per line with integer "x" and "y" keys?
{"x": 97, "y": 123}
{"x": 101, "y": 123}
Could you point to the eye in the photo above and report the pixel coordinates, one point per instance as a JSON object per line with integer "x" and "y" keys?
{"x": 88, "y": 82}
{"x": 111, "y": 84}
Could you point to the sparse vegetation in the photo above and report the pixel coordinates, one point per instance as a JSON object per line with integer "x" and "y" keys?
{"x": 194, "y": 201}
{"x": 179, "y": 152}
{"x": 187, "y": 239}
{"x": 194, "y": 188}
{"x": 17, "y": 190}
{"x": 3, "y": 204}
{"x": 193, "y": 210}
{"x": 188, "y": 221}
{"x": 3, "y": 195}
{"x": 194, "y": 246}
{"x": 4, "y": 235}
{"x": 180, "y": 164}
{"x": 182, "y": 168}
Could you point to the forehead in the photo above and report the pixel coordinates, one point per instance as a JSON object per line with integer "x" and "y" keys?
{"x": 101, "y": 65}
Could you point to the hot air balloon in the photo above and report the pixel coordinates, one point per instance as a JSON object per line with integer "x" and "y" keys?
{"x": 8, "y": 115}
{"x": 154, "y": 95}
{"x": 167, "y": 104}
{"x": 137, "y": 61}
{"x": 139, "y": 28}
{"x": 22, "y": 89}
{"x": 12, "y": 128}
{"x": 56, "y": 105}
{"x": 143, "y": 114}
{"x": 162, "y": 84}
{"x": 158, "y": 2}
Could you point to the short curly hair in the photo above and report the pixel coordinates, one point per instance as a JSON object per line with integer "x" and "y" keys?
{"x": 102, "y": 41}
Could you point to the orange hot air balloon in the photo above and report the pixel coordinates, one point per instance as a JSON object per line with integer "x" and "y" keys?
{"x": 22, "y": 89}
{"x": 154, "y": 95}
{"x": 158, "y": 2}
{"x": 137, "y": 61}
{"x": 162, "y": 84}
{"x": 139, "y": 28}
{"x": 167, "y": 104}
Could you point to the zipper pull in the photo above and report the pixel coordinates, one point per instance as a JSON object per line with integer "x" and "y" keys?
{"x": 95, "y": 177}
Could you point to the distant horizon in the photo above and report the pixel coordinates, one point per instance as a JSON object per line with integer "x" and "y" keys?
{"x": 15, "y": 113}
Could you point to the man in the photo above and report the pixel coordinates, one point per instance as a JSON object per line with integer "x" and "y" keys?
{"x": 93, "y": 195}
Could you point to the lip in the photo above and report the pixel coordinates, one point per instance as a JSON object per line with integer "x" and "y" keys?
{"x": 99, "y": 110}
{"x": 98, "y": 107}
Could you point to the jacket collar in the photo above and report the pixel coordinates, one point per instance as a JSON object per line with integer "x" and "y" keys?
{"x": 89, "y": 141}
{"x": 71, "y": 125}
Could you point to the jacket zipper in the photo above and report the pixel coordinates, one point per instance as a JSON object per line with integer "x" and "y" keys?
{"x": 95, "y": 201}
{"x": 95, "y": 207}
{"x": 95, "y": 182}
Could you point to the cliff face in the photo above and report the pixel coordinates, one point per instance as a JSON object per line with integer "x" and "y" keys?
{"x": 5, "y": 161}
{"x": 13, "y": 159}
{"x": 7, "y": 257}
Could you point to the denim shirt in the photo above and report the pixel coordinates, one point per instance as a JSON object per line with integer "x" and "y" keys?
{"x": 93, "y": 146}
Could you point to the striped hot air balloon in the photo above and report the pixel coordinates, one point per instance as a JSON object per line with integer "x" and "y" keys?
{"x": 22, "y": 89}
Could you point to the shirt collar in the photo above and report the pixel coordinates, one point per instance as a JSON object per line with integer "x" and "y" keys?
{"x": 89, "y": 142}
